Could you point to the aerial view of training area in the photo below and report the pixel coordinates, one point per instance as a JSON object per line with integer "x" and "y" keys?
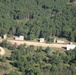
{"x": 37, "y": 37}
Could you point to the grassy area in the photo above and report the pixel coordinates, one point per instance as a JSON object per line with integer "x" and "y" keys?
{"x": 7, "y": 52}
{"x": 61, "y": 50}
{"x": 9, "y": 67}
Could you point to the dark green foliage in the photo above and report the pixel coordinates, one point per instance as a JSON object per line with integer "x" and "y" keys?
{"x": 38, "y": 18}
{"x": 32, "y": 61}
{"x": 4, "y": 43}
{"x": 50, "y": 40}
{"x": 48, "y": 51}
{"x": 31, "y": 37}
{"x": 35, "y": 19}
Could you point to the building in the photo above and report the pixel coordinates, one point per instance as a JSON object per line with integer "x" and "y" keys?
{"x": 4, "y": 36}
{"x": 42, "y": 40}
{"x": 70, "y": 47}
{"x": 60, "y": 41}
{"x": 19, "y": 38}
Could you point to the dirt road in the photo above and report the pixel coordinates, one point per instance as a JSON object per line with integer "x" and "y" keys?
{"x": 37, "y": 44}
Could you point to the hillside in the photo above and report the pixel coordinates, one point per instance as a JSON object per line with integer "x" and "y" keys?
{"x": 34, "y": 19}
{"x": 38, "y": 18}
{"x": 31, "y": 60}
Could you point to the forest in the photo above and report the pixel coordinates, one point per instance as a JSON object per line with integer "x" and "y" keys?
{"x": 38, "y": 18}
{"x": 35, "y": 19}
{"x": 31, "y": 60}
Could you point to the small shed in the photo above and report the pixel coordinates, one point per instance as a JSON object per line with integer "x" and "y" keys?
{"x": 42, "y": 40}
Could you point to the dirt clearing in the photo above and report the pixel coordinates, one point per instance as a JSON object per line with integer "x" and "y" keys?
{"x": 2, "y": 51}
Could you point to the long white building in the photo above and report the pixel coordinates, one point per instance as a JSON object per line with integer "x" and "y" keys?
{"x": 19, "y": 38}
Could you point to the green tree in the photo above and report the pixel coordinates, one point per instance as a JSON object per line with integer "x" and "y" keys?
{"x": 48, "y": 51}
{"x": 31, "y": 37}
{"x": 50, "y": 40}
{"x": 4, "y": 43}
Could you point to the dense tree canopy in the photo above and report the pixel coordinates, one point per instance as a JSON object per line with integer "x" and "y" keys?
{"x": 34, "y": 19}
{"x": 32, "y": 61}
{"x": 38, "y": 18}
